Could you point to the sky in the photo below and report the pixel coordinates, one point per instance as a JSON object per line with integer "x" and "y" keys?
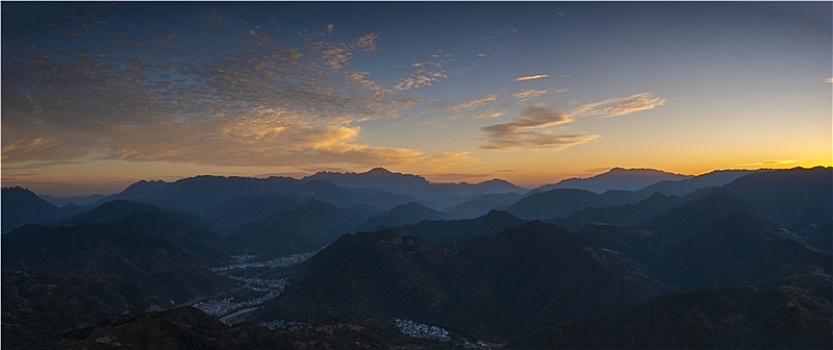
{"x": 96, "y": 96}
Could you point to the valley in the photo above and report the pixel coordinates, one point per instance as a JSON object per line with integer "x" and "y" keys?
{"x": 540, "y": 272}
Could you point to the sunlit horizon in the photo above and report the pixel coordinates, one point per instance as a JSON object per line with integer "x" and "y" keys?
{"x": 97, "y": 96}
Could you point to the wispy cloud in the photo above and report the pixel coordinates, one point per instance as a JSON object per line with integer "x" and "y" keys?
{"x": 829, "y": 80}
{"x": 489, "y": 114}
{"x": 532, "y": 77}
{"x": 529, "y": 129}
{"x": 508, "y": 138}
{"x": 448, "y": 104}
{"x": 524, "y": 132}
{"x": 768, "y": 163}
{"x": 524, "y": 95}
{"x": 619, "y": 106}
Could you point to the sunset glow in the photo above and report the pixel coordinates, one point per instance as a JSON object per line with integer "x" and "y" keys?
{"x": 96, "y": 96}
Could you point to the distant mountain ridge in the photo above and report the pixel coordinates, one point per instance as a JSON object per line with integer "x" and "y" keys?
{"x": 443, "y": 194}
{"x": 685, "y": 186}
{"x": 616, "y": 179}
{"x": 749, "y": 261}
{"x": 21, "y": 206}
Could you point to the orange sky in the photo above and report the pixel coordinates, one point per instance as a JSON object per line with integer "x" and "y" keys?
{"x": 96, "y": 97}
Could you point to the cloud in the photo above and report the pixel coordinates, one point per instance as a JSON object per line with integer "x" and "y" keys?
{"x": 769, "y": 163}
{"x": 448, "y": 104}
{"x": 426, "y": 72}
{"x": 415, "y": 81}
{"x": 521, "y": 133}
{"x": 619, "y": 106}
{"x": 253, "y": 101}
{"x": 528, "y": 129}
{"x": 532, "y": 77}
{"x": 529, "y": 94}
{"x": 256, "y": 140}
{"x": 489, "y": 114}
{"x": 508, "y": 139}
{"x": 829, "y": 80}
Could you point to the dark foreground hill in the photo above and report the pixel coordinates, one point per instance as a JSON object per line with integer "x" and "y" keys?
{"x": 459, "y": 231}
{"x": 620, "y": 215}
{"x": 799, "y": 197}
{"x": 56, "y": 279}
{"x": 527, "y": 277}
{"x": 188, "y": 328}
{"x": 310, "y": 226}
{"x": 722, "y": 318}
{"x": 717, "y": 241}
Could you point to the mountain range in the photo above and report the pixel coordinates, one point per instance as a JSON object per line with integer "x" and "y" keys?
{"x": 380, "y": 259}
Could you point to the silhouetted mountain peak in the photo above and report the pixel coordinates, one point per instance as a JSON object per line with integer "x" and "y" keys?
{"x": 21, "y": 206}
{"x": 142, "y": 188}
{"x": 375, "y": 178}
{"x": 379, "y": 171}
{"x": 617, "y": 179}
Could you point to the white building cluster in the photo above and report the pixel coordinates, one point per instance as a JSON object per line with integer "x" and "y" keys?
{"x": 222, "y": 307}
{"x": 243, "y": 262}
{"x": 263, "y": 284}
{"x": 423, "y": 331}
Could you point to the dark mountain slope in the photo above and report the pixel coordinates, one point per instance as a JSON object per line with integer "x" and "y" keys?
{"x": 191, "y": 236}
{"x": 188, "y": 328}
{"x": 139, "y": 190}
{"x": 724, "y": 318}
{"x": 404, "y": 214}
{"x": 690, "y": 217}
{"x": 737, "y": 250}
{"x": 459, "y": 231}
{"x": 21, "y": 206}
{"x": 119, "y": 209}
{"x": 311, "y": 226}
{"x": 563, "y": 202}
{"x": 620, "y": 215}
{"x": 530, "y": 276}
{"x": 482, "y": 205}
{"x": 380, "y": 274}
{"x": 344, "y": 197}
{"x": 686, "y": 186}
{"x": 77, "y": 200}
{"x": 247, "y": 209}
{"x": 800, "y": 197}
{"x": 142, "y": 189}
{"x": 717, "y": 241}
{"x": 56, "y": 279}
{"x": 168, "y": 271}
{"x": 539, "y": 274}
